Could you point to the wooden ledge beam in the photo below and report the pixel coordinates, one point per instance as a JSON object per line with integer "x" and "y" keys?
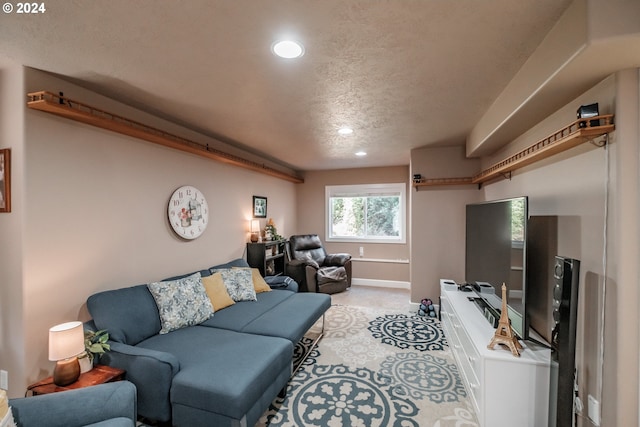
{"x": 74, "y": 110}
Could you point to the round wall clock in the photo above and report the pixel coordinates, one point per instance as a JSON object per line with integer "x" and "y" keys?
{"x": 188, "y": 212}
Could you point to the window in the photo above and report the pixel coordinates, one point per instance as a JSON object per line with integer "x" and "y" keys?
{"x": 366, "y": 213}
{"x": 517, "y": 220}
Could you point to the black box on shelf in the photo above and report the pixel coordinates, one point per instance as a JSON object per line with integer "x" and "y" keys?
{"x": 586, "y": 111}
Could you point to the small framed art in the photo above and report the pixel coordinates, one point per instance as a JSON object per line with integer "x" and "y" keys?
{"x": 5, "y": 180}
{"x": 259, "y": 207}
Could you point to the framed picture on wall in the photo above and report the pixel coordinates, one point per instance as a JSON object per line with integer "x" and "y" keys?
{"x": 259, "y": 207}
{"x": 5, "y": 180}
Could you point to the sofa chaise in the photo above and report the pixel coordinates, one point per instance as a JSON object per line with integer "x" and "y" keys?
{"x": 222, "y": 371}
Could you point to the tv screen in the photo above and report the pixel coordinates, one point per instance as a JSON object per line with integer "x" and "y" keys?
{"x": 496, "y": 234}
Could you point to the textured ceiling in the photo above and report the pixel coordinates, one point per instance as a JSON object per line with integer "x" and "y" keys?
{"x": 402, "y": 73}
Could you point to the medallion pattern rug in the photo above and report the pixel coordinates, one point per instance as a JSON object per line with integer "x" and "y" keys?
{"x": 374, "y": 368}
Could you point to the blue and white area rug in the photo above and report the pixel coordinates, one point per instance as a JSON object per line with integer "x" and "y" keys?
{"x": 375, "y": 368}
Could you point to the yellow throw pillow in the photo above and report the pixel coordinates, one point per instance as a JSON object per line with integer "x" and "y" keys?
{"x": 217, "y": 291}
{"x": 259, "y": 285}
{"x": 258, "y": 281}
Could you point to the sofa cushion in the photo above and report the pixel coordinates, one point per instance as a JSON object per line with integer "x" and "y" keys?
{"x": 238, "y": 262}
{"x": 203, "y": 273}
{"x": 217, "y": 292}
{"x": 181, "y": 303}
{"x": 114, "y": 422}
{"x": 222, "y": 371}
{"x": 242, "y": 313}
{"x": 239, "y": 283}
{"x": 130, "y": 315}
{"x": 292, "y": 318}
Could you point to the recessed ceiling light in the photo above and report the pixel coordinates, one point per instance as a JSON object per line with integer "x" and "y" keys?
{"x": 361, "y": 154}
{"x": 288, "y": 49}
{"x": 345, "y": 131}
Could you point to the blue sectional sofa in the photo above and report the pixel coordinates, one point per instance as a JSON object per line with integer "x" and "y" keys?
{"x": 224, "y": 371}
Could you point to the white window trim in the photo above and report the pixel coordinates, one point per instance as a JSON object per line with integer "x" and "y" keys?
{"x": 363, "y": 189}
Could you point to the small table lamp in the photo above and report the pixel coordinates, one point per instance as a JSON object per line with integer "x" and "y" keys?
{"x": 66, "y": 341}
{"x": 255, "y": 230}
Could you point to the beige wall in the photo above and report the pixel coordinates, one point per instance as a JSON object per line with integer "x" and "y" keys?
{"x": 622, "y": 356}
{"x": 93, "y": 217}
{"x": 311, "y": 219}
{"x": 12, "y": 339}
{"x": 438, "y": 219}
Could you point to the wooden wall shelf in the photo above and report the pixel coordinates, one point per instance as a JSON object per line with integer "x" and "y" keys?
{"x": 436, "y": 182}
{"x": 564, "y": 139}
{"x": 74, "y": 110}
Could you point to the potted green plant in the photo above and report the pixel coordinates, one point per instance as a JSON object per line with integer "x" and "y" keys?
{"x": 270, "y": 231}
{"x": 95, "y": 345}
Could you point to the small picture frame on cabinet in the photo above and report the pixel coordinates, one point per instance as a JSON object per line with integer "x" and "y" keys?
{"x": 5, "y": 180}
{"x": 259, "y": 207}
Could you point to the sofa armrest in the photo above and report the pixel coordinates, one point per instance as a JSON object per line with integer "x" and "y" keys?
{"x": 310, "y": 278}
{"x": 151, "y": 371}
{"x": 337, "y": 260}
{"x": 295, "y": 269}
{"x": 75, "y": 408}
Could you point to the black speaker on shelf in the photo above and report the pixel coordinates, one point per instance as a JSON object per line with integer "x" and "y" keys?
{"x": 566, "y": 276}
{"x": 590, "y": 110}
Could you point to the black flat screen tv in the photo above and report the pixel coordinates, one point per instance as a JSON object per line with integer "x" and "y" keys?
{"x": 496, "y": 246}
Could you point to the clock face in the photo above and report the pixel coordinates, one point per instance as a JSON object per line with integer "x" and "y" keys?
{"x": 188, "y": 212}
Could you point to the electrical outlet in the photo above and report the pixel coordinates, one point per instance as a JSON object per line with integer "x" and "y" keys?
{"x": 594, "y": 410}
{"x": 4, "y": 380}
{"x": 361, "y": 251}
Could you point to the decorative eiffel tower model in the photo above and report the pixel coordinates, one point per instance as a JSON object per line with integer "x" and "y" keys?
{"x": 504, "y": 334}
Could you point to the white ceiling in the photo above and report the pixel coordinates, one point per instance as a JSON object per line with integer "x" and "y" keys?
{"x": 402, "y": 73}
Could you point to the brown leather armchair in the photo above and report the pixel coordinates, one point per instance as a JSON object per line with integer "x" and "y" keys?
{"x": 316, "y": 271}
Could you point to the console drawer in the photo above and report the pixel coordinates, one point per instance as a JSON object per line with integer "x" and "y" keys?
{"x": 465, "y": 354}
{"x": 468, "y": 360}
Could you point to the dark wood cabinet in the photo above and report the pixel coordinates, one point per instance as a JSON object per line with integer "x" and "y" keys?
{"x": 268, "y": 257}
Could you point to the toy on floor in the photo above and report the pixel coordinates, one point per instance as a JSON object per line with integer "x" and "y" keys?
{"x": 427, "y": 308}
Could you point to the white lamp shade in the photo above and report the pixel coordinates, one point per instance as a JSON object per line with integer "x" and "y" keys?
{"x": 66, "y": 340}
{"x": 255, "y": 225}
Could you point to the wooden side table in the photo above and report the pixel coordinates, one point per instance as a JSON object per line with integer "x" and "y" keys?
{"x": 100, "y": 374}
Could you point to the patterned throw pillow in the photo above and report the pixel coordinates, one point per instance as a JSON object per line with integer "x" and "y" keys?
{"x": 239, "y": 283}
{"x": 181, "y": 303}
{"x": 259, "y": 284}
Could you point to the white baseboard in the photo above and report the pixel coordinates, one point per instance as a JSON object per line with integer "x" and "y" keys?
{"x": 381, "y": 283}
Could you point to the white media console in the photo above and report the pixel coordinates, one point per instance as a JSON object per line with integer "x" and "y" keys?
{"x": 506, "y": 391}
